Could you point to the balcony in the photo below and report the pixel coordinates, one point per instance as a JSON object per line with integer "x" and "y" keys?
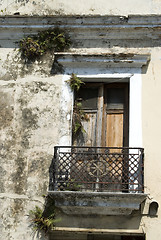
{"x": 98, "y": 169}
{"x": 96, "y": 181}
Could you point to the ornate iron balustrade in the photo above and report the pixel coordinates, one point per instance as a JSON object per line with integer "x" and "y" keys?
{"x": 102, "y": 169}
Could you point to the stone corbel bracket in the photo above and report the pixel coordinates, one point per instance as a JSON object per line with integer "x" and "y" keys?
{"x": 97, "y": 203}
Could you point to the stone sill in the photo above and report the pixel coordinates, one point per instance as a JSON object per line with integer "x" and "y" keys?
{"x": 97, "y": 203}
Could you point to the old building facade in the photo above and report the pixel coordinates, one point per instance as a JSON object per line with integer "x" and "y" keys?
{"x": 107, "y": 185}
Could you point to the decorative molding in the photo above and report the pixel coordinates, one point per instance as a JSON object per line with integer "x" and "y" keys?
{"x": 83, "y": 61}
{"x": 87, "y": 27}
{"x": 131, "y": 21}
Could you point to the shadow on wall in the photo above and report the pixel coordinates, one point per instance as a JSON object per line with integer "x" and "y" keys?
{"x": 51, "y": 173}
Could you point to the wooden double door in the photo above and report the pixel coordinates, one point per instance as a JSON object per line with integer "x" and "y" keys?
{"x": 107, "y": 110}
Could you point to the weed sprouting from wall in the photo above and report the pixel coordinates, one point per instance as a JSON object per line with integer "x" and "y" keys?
{"x": 33, "y": 47}
{"x": 78, "y": 116}
{"x": 75, "y": 82}
{"x": 44, "y": 219}
{"x": 78, "y": 113}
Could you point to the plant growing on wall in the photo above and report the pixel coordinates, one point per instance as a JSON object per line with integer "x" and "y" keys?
{"x": 3, "y": 11}
{"x": 78, "y": 116}
{"x": 44, "y": 218}
{"x": 75, "y": 82}
{"x": 40, "y": 222}
{"x": 78, "y": 113}
{"x": 72, "y": 185}
{"x": 32, "y": 47}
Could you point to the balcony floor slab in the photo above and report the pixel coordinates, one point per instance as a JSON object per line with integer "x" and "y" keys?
{"x": 97, "y": 203}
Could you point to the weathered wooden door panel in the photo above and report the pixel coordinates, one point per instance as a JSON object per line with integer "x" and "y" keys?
{"x": 114, "y": 129}
{"x": 87, "y": 137}
{"x": 88, "y": 97}
{"x": 116, "y": 115}
{"x": 116, "y": 134}
{"x": 90, "y": 127}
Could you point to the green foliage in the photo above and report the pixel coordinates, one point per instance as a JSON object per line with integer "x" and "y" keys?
{"x": 39, "y": 221}
{"x": 55, "y": 39}
{"x": 78, "y": 116}
{"x": 32, "y": 47}
{"x": 43, "y": 219}
{"x": 75, "y": 82}
{"x": 72, "y": 185}
{"x": 2, "y": 11}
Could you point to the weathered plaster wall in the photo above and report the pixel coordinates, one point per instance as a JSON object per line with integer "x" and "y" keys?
{"x": 30, "y": 126}
{"x": 102, "y": 7}
{"x": 26, "y": 148}
{"x": 15, "y": 223}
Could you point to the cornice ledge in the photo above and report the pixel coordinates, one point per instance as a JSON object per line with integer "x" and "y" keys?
{"x": 81, "y": 28}
{"x": 70, "y": 60}
{"x": 79, "y": 21}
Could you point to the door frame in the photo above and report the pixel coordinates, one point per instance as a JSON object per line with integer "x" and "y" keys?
{"x": 133, "y": 75}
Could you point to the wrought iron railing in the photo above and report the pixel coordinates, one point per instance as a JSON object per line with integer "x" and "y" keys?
{"x": 102, "y": 169}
